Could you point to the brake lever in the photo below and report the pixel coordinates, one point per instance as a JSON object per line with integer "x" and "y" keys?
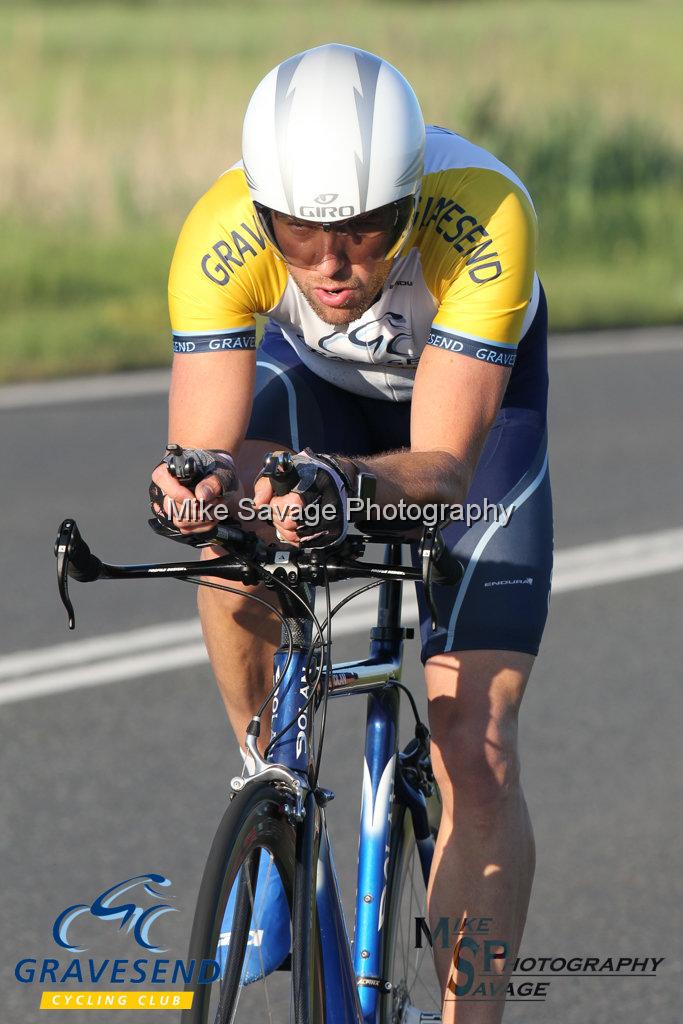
{"x": 439, "y": 565}
{"x": 62, "y": 543}
{"x": 75, "y": 559}
{"x": 425, "y": 551}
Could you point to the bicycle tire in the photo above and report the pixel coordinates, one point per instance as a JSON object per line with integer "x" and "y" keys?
{"x": 409, "y": 969}
{"x": 256, "y": 820}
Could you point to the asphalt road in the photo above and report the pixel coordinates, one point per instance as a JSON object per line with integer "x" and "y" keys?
{"x": 100, "y": 784}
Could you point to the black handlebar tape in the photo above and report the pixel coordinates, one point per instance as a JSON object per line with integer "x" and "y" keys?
{"x": 282, "y": 473}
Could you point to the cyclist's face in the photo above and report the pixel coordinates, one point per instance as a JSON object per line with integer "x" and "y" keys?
{"x": 339, "y": 271}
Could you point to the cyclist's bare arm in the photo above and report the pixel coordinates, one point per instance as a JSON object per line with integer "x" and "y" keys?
{"x": 455, "y": 401}
{"x": 209, "y": 407}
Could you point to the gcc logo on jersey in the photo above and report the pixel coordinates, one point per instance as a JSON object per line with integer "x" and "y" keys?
{"x": 105, "y": 907}
{"x": 387, "y": 340}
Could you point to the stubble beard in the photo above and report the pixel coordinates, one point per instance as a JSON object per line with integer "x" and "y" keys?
{"x": 346, "y": 315}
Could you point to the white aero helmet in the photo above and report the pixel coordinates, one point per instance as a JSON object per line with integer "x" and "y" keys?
{"x": 333, "y": 133}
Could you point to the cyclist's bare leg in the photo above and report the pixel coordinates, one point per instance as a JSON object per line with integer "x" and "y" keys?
{"x": 484, "y": 859}
{"x": 240, "y": 636}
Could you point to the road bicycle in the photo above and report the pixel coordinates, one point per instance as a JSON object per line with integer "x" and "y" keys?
{"x": 269, "y": 915}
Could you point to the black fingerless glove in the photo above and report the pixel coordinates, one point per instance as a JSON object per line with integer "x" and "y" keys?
{"x": 325, "y": 486}
{"x": 189, "y": 466}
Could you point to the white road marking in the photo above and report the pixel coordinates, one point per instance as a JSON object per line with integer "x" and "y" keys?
{"x": 115, "y": 670}
{"x": 613, "y": 343}
{"x": 630, "y": 341}
{"x": 107, "y": 646}
{"x": 95, "y": 388}
{"x": 626, "y": 558}
{"x": 118, "y": 657}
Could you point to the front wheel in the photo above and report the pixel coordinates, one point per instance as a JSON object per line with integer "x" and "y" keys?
{"x": 255, "y": 888}
{"x": 408, "y": 964}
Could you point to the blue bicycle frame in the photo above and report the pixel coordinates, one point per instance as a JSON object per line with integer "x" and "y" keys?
{"x": 354, "y": 984}
{"x": 353, "y": 981}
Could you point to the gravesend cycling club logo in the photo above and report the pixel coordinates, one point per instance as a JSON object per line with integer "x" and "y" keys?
{"x": 387, "y": 339}
{"x": 134, "y": 909}
{"x": 105, "y": 907}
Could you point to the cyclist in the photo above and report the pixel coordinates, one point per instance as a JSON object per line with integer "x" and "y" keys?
{"x": 405, "y": 338}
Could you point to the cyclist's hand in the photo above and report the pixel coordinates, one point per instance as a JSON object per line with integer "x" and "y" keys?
{"x": 315, "y": 512}
{"x": 189, "y": 485}
{"x": 282, "y": 509}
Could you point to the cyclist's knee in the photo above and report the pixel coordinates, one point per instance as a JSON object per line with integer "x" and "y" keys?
{"x": 473, "y": 709}
{"x": 477, "y": 761}
{"x": 236, "y": 605}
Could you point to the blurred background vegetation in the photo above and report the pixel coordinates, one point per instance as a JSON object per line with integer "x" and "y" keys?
{"x": 115, "y": 117}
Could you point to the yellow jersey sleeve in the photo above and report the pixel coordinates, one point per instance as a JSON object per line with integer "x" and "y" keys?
{"x": 480, "y": 262}
{"x": 223, "y": 272}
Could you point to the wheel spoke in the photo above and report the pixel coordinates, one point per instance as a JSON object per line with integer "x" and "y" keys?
{"x": 256, "y": 939}
{"x": 428, "y": 992}
{"x": 412, "y": 974}
{"x": 410, "y": 912}
{"x": 243, "y": 878}
{"x": 413, "y": 894}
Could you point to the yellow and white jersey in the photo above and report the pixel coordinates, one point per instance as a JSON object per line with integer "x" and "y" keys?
{"x": 465, "y": 280}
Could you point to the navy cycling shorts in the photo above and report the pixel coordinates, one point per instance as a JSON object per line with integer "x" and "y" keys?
{"x": 502, "y": 601}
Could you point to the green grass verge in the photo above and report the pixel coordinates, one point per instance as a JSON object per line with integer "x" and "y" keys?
{"x": 115, "y": 117}
{"x": 75, "y": 302}
{"x": 75, "y": 305}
